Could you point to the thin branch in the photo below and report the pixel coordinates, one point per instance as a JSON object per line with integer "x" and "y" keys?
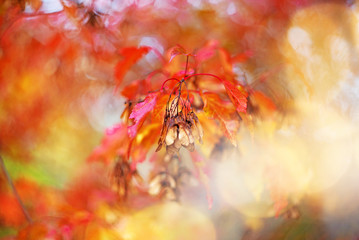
{"x": 12, "y": 186}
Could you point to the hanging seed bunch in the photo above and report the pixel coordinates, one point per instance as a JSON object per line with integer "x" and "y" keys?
{"x": 181, "y": 126}
{"x": 123, "y": 176}
{"x": 167, "y": 182}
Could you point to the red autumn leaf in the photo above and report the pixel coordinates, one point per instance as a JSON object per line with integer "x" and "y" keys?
{"x": 140, "y": 111}
{"x": 113, "y": 144}
{"x": 177, "y": 50}
{"x": 224, "y": 112}
{"x": 207, "y": 51}
{"x": 131, "y": 56}
{"x": 238, "y": 98}
{"x": 134, "y": 89}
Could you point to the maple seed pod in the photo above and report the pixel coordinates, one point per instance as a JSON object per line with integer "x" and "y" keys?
{"x": 183, "y": 136}
{"x": 173, "y": 166}
{"x": 170, "y": 194}
{"x": 171, "y": 135}
{"x": 196, "y": 127}
{"x": 195, "y": 132}
{"x": 190, "y": 136}
{"x": 190, "y": 147}
{"x": 155, "y": 184}
{"x": 171, "y": 150}
{"x": 177, "y": 144}
{"x": 160, "y": 183}
{"x": 200, "y": 130}
{"x": 154, "y": 189}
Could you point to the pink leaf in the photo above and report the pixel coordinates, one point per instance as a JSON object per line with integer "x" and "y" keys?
{"x": 140, "y": 111}
{"x": 207, "y": 51}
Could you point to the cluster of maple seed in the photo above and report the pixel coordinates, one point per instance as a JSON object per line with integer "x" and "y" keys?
{"x": 166, "y": 183}
{"x": 181, "y": 126}
{"x": 122, "y": 176}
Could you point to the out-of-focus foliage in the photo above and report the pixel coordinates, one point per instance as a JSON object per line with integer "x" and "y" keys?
{"x": 270, "y": 88}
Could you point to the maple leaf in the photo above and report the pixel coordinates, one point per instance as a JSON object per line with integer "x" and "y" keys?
{"x": 236, "y": 93}
{"x": 207, "y": 51}
{"x": 223, "y": 111}
{"x": 135, "y": 88}
{"x": 131, "y": 56}
{"x": 238, "y": 98}
{"x": 144, "y": 141}
{"x": 177, "y": 50}
{"x": 160, "y": 108}
{"x": 140, "y": 111}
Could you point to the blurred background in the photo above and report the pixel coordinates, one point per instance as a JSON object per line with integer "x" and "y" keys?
{"x": 293, "y": 175}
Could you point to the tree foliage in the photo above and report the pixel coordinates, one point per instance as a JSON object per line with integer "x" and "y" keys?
{"x": 117, "y": 115}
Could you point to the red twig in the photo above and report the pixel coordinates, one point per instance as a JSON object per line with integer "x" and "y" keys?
{"x": 203, "y": 74}
{"x": 174, "y": 79}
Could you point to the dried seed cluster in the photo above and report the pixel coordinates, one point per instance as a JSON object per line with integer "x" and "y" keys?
{"x": 122, "y": 177}
{"x": 166, "y": 183}
{"x": 181, "y": 126}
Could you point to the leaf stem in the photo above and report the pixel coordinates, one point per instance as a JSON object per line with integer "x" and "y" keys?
{"x": 163, "y": 84}
{"x": 185, "y": 71}
{"x": 12, "y": 186}
{"x": 203, "y": 74}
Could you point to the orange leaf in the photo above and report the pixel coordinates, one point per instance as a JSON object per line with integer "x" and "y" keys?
{"x": 264, "y": 103}
{"x": 160, "y": 108}
{"x": 238, "y": 98}
{"x": 225, "y": 60}
{"x": 10, "y": 214}
{"x": 131, "y": 56}
{"x": 144, "y": 141}
{"x": 223, "y": 111}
